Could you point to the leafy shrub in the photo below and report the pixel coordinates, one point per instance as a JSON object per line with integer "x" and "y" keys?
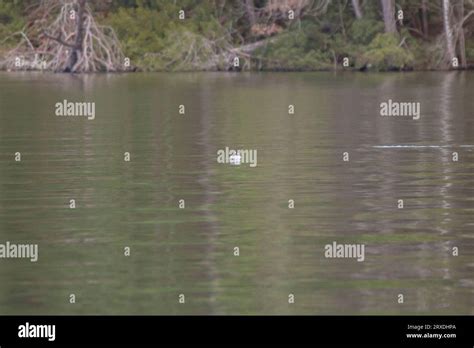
{"x": 299, "y": 49}
{"x": 10, "y": 20}
{"x": 363, "y": 31}
{"x": 149, "y": 33}
{"x": 385, "y": 53}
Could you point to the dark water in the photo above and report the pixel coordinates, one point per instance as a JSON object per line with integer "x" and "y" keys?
{"x": 190, "y": 251}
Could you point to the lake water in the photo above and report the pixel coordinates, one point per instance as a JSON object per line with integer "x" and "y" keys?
{"x": 190, "y": 251}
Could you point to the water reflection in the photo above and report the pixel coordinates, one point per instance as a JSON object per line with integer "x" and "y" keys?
{"x": 190, "y": 250}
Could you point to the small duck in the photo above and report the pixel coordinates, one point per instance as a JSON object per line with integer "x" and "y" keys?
{"x": 235, "y": 159}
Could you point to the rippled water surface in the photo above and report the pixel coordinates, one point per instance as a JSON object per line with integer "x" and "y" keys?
{"x": 191, "y": 251}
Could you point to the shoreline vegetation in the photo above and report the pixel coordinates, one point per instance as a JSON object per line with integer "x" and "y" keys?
{"x": 83, "y": 36}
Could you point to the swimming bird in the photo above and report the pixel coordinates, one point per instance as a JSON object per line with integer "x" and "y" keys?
{"x": 235, "y": 159}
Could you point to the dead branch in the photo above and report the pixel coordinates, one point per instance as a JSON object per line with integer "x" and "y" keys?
{"x": 73, "y": 41}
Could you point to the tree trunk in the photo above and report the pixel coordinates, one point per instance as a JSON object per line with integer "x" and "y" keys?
{"x": 448, "y": 30}
{"x": 424, "y": 17}
{"x": 461, "y": 38}
{"x": 388, "y": 8}
{"x": 77, "y": 49}
{"x": 357, "y": 9}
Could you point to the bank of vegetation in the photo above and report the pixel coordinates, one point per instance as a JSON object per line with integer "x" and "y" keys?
{"x": 189, "y": 35}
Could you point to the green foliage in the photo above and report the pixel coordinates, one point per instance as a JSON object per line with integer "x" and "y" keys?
{"x": 304, "y": 48}
{"x": 363, "y": 31}
{"x": 315, "y": 45}
{"x": 154, "y": 38}
{"x": 150, "y": 32}
{"x": 385, "y": 53}
{"x": 140, "y": 30}
{"x": 10, "y": 19}
{"x": 470, "y": 50}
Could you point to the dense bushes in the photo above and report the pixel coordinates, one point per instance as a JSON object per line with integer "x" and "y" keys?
{"x": 301, "y": 48}
{"x": 364, "y": 31}
{"x": 310, "y": 48}
{"x": 154, "y": 38}
{"x": 10, "y": 21}
{"x": 385, "y": 53}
